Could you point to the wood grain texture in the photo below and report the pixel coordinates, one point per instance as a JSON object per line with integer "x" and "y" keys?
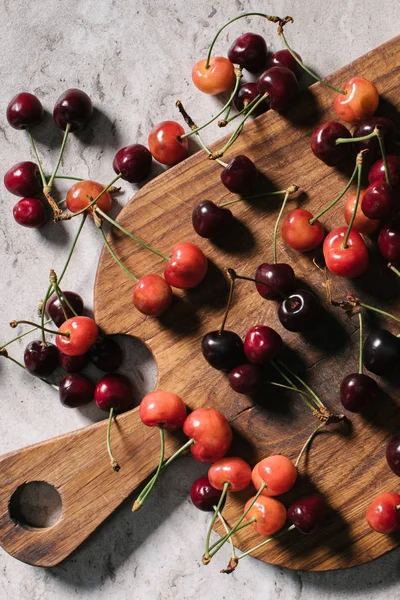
{"x": 346, "y": 463}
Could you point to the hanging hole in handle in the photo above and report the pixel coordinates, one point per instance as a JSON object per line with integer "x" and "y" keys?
{"x": 35, "y": 504}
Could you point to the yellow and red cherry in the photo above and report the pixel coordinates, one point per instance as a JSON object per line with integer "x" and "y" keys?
{"x": 217, "y": 78}
{"x": 152, "y": 295}
{"x": 75, "y": 390}
{"x": 232, "y": 469}
{"x": 114, "y": 391}
{"x": 24, "y": 110}
{"x": 246, "y": 94}
{"x": 23, "y": 179}
{"x": 377, "y": 200}
{"x": 299, "y": 234}
{"x": 77, "y": 197}
{"x": 383, "y": 514}
{"x": 277, "y": 472}
{"x": 73, "y": 108}
{"x": 280, "y": 276}
{"x": 165, "y": 145}
{"x": 211, "y": 433}
{"x": 55, "y": 309}
{"x": 245, "y": 379}
{"x": 348, "y": 262}
{"x": 187, "y": 266}
{"x": 73, "y": 364}
{"x": 358, "y": 391}
{"x": 283, "y": 58}
{"x": 388, "y": 132}
{"x": 211, "y": 221}
{"x": 281, "y": 86}
{"x": 269, "y": 515}
{"x": 361, "y": 223}
{"x": 249, "y": 51}
{"x": 30, "y": 212}
{"x": 223, "y": 350}
{"x": 389, "y": 240}
{"x": 359, "y": 102}
{"x": 133, "y": 163}
{"x": 393, "y": 454}
{"x": 307, "y": 513}
{"x": 40, "y": 358}
{"x": 203, "y": 495}
{"x": 262, "y": 344}
{"x": 106, "y": 354}
{"x": 82, "y": 334}
{"x": 163, "y": 409}
{"x": 240, "y": 175}
{"x": 377, "y": 171}
{"x": 323, "y": 143}
{"x": 381, "y": 352}
{"x": 299, "y": 311}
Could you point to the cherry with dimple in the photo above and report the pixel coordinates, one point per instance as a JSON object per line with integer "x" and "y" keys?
{"x": 323, "y": 143}
{"x": 79, "y": 335}
{"x": 281, "y": 86}
{"x": 359, "y": 102}
{"x": 165, "y": 144}
{"x": 152, "y": 295}
{"x": 249, "y": 51}
{"x": 276, "y": 475}
{"x": 23, "y": 179}
{"x": 133, "y": 163}
{"x": 280, "y": 276}
{"x": 377, "y": 200}
{"x": 40, "y": 358}
{"x": 30, "y": 212}
{"x": 211, "y": 221}
{"x": 75, "y": 390}
{"x": 24, "y": 110}
{"x": 299, "y": 311}
{"x": 73, "y": 108}
{"x": 214, "y": 76}
{"x": 377, "y": 171}
{"x": 240, "y": 175}
{"x": 283, "y": 58}
{"x": 299, "y": 234}
{"x": 383, "y": 514}
{"x": 203, "y": 495}
{"x": 350, "y": 261}
{"x": 262, "y": 344}
{"x": 248, "y": 92}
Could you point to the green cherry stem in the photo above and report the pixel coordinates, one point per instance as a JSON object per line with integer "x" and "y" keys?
{"x": 352, "y": 140}
{"x": 379, "y": 311}
{"x": 159, "y": 468}
{"x": 232, "y": 277}
{"x": 21, "y": 336}
{"x": 248, "y": 106}
{"x": 57, "y": 290}
{"x": 250, "y": 522}
{"x": 68, "y": 216}
{"x": 63, "y": 143}
{"x": 39, "y": 163}
{"x": 360, "y": 360}
{"x": 14, "y": 324}
{"x": 383, "y": 153}
{"x": 265, "y": 542}
{"x": 292, "y": 388}
{"x": 115, "y": 257}
{"x": 244, "y": 278}
{"x": 336, "y": 200}
{"x": 4, "y": 353}
{"x": 284, "y": 201}
{"x": 69, "y": 177}
{"x": 305, "y": 396}
{"x": 316, "y": 399}
{"x": 291, "y": 190}
{"x": 226, "y": 527}
{"x": 114, "y": 464}
{"x": 214, "y": 517}
{"x": 393, "y": 268}
{"x": 359, "y": 164}
{"x": 307, "y": 443}
{"x": 72, "y": 248}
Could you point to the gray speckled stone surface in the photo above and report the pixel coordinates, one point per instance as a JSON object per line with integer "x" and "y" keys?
{"x": 134, "y": 59}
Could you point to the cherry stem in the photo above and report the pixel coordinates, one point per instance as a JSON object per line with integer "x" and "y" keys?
{"x": 307, "y": 443}
{"x": 247, "y": 106}
{"x": 57, "y": 290}
{"x": 292, "y": 388}
{"x": 214, "y": 517}
{"x": 290, "y": 190}
{"x": 6, "y": 355}
{"x": 392, "y": 268}
{"x": 383, "y": 153}
{"x": 232, "y": 276}
{"x": 143, "y": 497}
{"x": 68, "y": 177}
{"x": 114, "y": 463}
{"x": 226, "y": 527}
{"x": 397, "y": 507}
{"x": 133, "y": 237}
{"x": 14, "y": 324}
{"x": 360, "y": 363}
{"x": 21, "y": 336}
{"x": 115, "y": 257}
{"x": 363, "y": 138}
{"x": 281, "y": 294}
{"x": 284, "y": 201}
{"x": 63, "y": 143}
{"x": 265, "y": 542}
{"x": 316, "y": 399}
{"x": 359, "y": 164}
{"x": 39, "y": 163}
{"x": 250, "y": 522}
{"x": 68, "y": 216}
{"x": 336, "y": 200}
{"x": 378, "y": 310}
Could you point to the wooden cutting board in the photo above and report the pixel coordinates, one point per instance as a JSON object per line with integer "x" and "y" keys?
{"x": 346, "y": 463}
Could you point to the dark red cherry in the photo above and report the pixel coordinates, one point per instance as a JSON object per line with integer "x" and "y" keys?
{"x": 377, "y": 202}
{"x": 281, "y": 86}
{"x": 393, "y": 454}
{"x": 203, "y": 495}
{"x": 223, "y": 351}
{"x": 280, "y": 276}
{"x": 24, "y": 110}
{"x": 246, "y": 94}
{"x": 381, "y": 353}
{"x": 299, "y": 311}
{"x": 308, "y": 513}
{"x": 323, "y": 143}
{"x": 40, "y": 358}
{"x": 245, "y": 379}
{"x": 249, "y": 51}
{"x": 283, "y": 58}
{"x": 262, "y": 344}
{"x": 358, "y": 391}
{"x": 75, "y": 390}
{"x": 106, "y": 354}
{"x": 240, "y": 175}
{"x": 30, "y": 212}
{"x": 389, "y": 240}
{"x": 114, "y": 391}
{"x": 23, "y": 179}
{"x": 133, "y": 162}
{"x": 72, "y": 364}
{"x": 377, "y": 171}
{"x": 73, "y": 107}
{"x": 55, "y": 311}
{"x": 372, "y": 145}
{"x": 210, "y": 220}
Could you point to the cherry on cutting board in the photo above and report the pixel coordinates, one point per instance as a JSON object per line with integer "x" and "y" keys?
{"x": 307, "y": 513}
{"x": 358, "y": 391}
{"x": 262, "y": 344}
{"x": 187, "y": 266}
{"x": 359, "y": 102}
{"x": 381, "y": 354}
{"x": 283, "y": 58}
{"x": 383, "y": 514}
{"x": 377, "y": 200}
{"x": 240, "y": 175}
{"x": 323, "y": 143}
{"x": 299, "y": 234}
{"x": 223, "y": 350}
{"x": 372, "y": 145}
{"x": 246, "y": 94}
{"x": 211, "y": 221}
{"x": 348, "y": 262}
{"x": 389, "y": 240}
{"x": 299, "y": 311}
{"x": 245, "y": 379}
{"x": 362, "y": 223}
{"x": 280, "y": 276}
{"x": 377, "y": 171}
{"x": 152, "y": 295}
{"x": 393, "y": 454}
{"x": 281, "y": 86}
{"x": 211, "y": 433}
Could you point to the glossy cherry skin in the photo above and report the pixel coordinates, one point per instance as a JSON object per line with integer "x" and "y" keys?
{"x": 366, "y": 127}
{"x": 347, "y": 262}
{"x": 133, "y": 162}
{"x": 106, "y": 354}
{"x": 283, "y": 58}
{"x": 240, "y": 175}
{"x": 73, "y": 107}
{"x": 281, "y": 86}
{"x": 55, "y": 310}
{"x": 277, "y": 472}
{"x": 73, "y": 364}
{"x": 246, "y": 94}
{"x": 360, "y": 101}
{"x": 232, "y": 470}
{"x": 270, "y": 515}
{"x": 393, "y": 454}
{"x": 83, "y": 333}
{"x": 218, "y": 78}
{"x": 377, "y": 200}
{"x": 249, "y": 51}
{"x": 382, "y": 515}
{"x": 30, "y": 212}
{"x": 223, "y": 351}
{"x": 187, "y": 267}
{"x": 76, "y": 390}
{"x": 245, "y": 379}
{"x": 297, "y": 232}
{"x": 358, "y": 391}
{"x": 77, "y": 196}
{"x": 381, "y": 354}
{"x": 40, "y": 359}
{"x": 203, "y": 495}
{"x": 361, "y": 223}
{"x": 299, "y": 311}
{"x": 262, "y": 344}
{"x": 164, "y": 409}
{"x": 23, "y": 179}
{"x": 307, "y": 513}
{"x": 114, "y": 391}
{"x": 24, "y": 110}
{"x": 377, "y": 171}
{"x": 280, "y": 276}
{"x": 389, "y": 240}
{"x": 323, "y": 143}
{"x": 211, "y": 433}
{"x": 152, "y": 295}
{"x": 164, "y": 144}
{"x": 211, "y": 221}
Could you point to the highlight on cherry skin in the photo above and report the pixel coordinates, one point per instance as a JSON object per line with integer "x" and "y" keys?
{"x": 75, "y": 390}
{"x": 23, "y": 179}
{"x": 360, "y": 101}
{"x": 223, "y": 350}
{"x": 165, "y": 144}
{"x": 133, "y": 163}
{"x": 280, "y": 276}
{"x": 203, "y": 495}
{"x": 217, "y": 78}
{"x": 383, "y": 514}
{"x": 281, "y": 86}
{"x": 362, "y": 223}
{"x": 232, "y": 470}
{"x": 348, "y": 262}
{"x": 82, "y": 332}
{"x": 187, "y": 267}
{"x": 245, "y": 379}
{"x": 77, "y": 199}
{"x": 211, "y": 433}
{"x": 269, "y": 514}
{"x": 276, "y": 473}
{"x": 24, "y": 110}
{"x": 211, "y": 221}
{"x": 249, "y": 51}
{"x": 152, "y": 295}
{"x": 161, "y": 408}
{"x": 30, "y": 212}
{"x": 73, "y": 108}
{"x": 262, "y": 344}
{"x": 299, "y": 234}
{"x": 323, "y": 143}
{"x": 57, "y": 309}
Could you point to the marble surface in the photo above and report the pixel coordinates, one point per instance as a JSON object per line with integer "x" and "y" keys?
{"x": 134, "y": 59}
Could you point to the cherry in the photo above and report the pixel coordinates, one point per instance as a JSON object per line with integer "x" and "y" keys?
{"x": 393, "y": 454}
{"x": 249, "y": 51}
{"x": 381, "y": 352}
{"x": 216, "y": 78}
{"x": 211, "y": 433}
{"x": 24, "y": 110}
{"x": 245, "y": 379}
{"x": 389, "y": 240}
{"x": 323, "y": 143}
{"x": 283, "y": 58}
{"x": 165, "y": 145}
{"x": 133, "y": 162}
{"x": 203, "y": 495}
{"x": 30, "y": 212}
{"x": 106, "y": 354}
{"x": 187, "y": 267}
{"x": 73, "y": 108}
{"x": 210, "y": 220}
{"x": 280, "y": 276}
{"x": 23, "y": 179}
{"x": 40, "y": 358}
{"x": 163, "y": 409}
{"x": 223, "y": 350}
{"x": 347, "y": 262}
{"x": 367, "y": 127}
{"x": 360, "y": 101}
{"x": 377, "y": 171}
{"x": 262, "y": 344}
{"x": 281, "y": 86}
{"x": 114, "y": 391}
{"x": 383, "y": 515}
{"x": 270, "y": 515}
{"x": 240, "y": 175}
{"x": 246, "y": 94}
{"x": 361, "y": 223}
{"x": 82, "y": 332}
{"x": 55, "y": 310}
{"x": 152, "y": 295}
{"x": 297, "y": 232}
{"x": 73, "y": 364}
{"x": 358, "y": 391}
{"x": 299, "y": 311}
{"x": 76, "y": 390}
{"x": 232, "y": 470}
{"x": 77, "y": 196}
{"x": 377, "y": 200}
{"x": 307, "y": 513}
{"x": 277, "y": 474}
